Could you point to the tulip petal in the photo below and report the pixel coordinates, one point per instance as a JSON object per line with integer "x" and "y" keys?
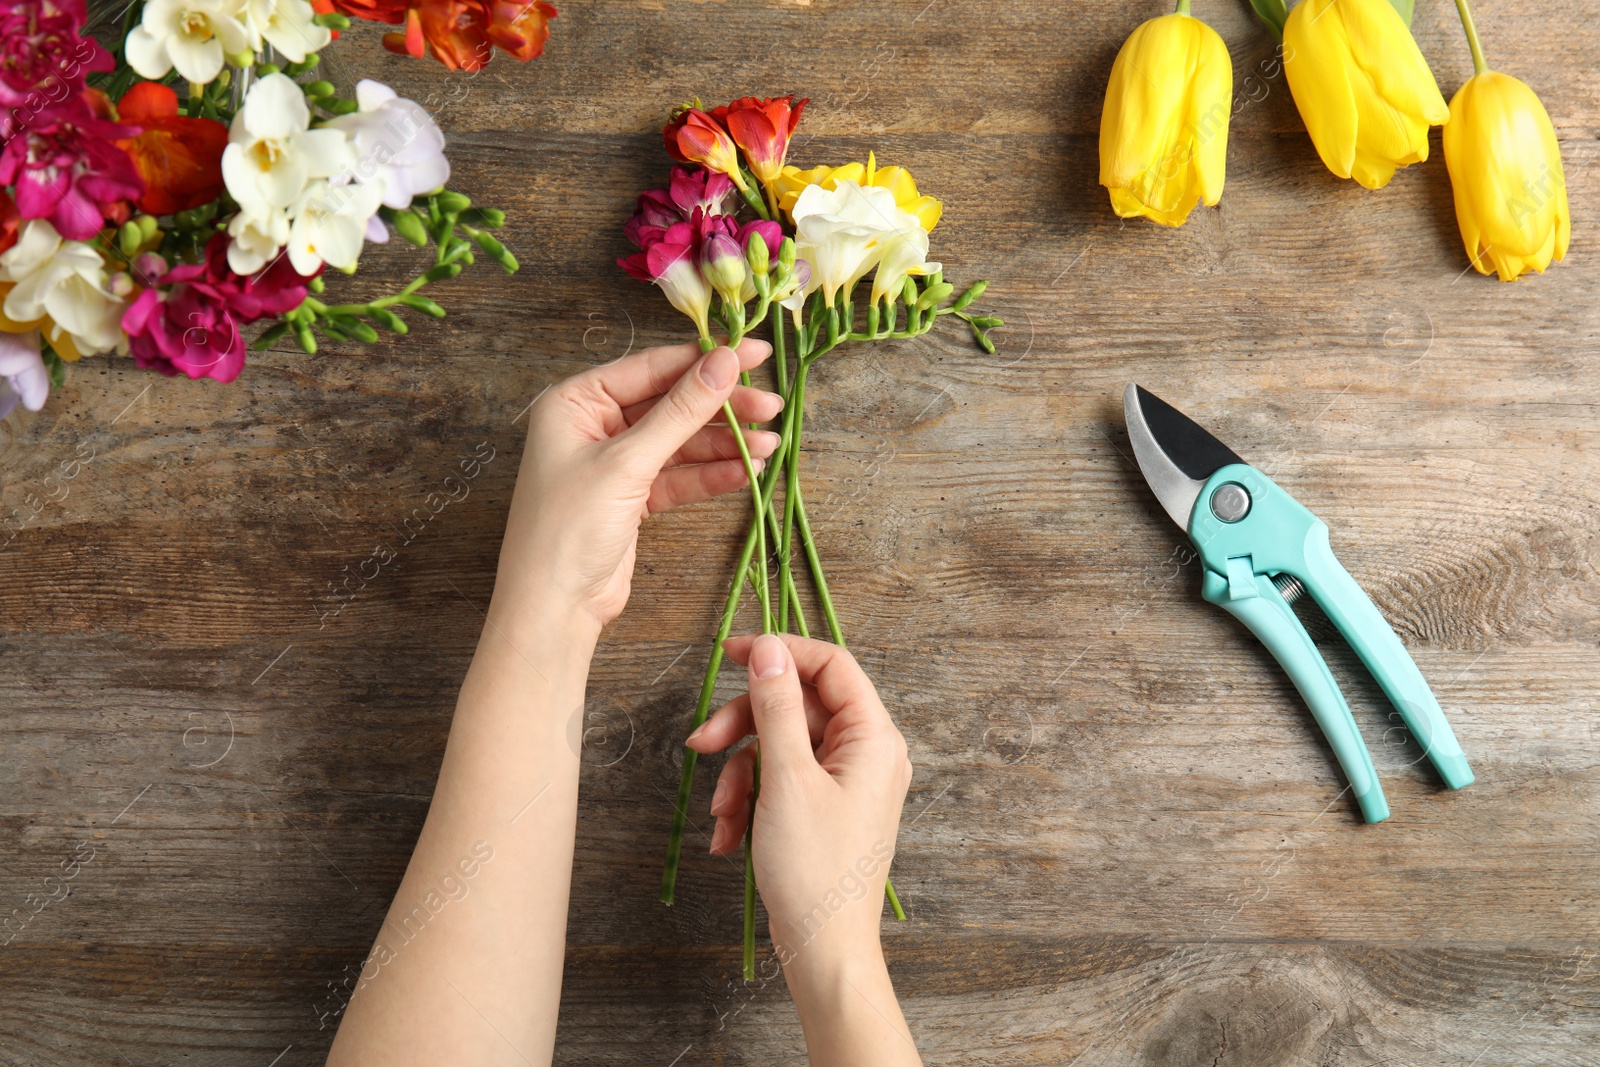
{"x": 1320, "y": 83}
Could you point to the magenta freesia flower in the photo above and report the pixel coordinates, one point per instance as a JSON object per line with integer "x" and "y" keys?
{"x": 188, "y": 321}
{"x": 688, "y": 191}
{"x": 44, "y": 57}
{"x": 671, "y": 260}
{"x": 66, "y": 169}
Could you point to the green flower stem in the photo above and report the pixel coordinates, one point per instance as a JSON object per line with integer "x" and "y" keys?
{"x": 680, "y": 812}
{"x": 791, "y": 479}
{"x": 1183, "y": 7}
{"x": 760, "y": 521}
{"x": 1479, "y": 64}
{"x": 753, "y": 198}
{"x": 750, "y": 880}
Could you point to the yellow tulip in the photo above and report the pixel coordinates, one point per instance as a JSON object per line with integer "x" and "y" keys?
{"x": 1505, "y": 167}
{"x": 1363, "y": 89}
{"x": 792, "y": 180}
{"x": 1164, "y": 130}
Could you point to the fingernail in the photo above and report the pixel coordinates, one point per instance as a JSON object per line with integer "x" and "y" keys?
{"x": 717, "y": 795}
{"x": 719, "y": 368}
{"x": 770, "y": 439}
{"x": 716, "y": 832}
{"x": 758, "y": 465}
{"x": 768, "y": 658}
{"x": 696, "y": 732}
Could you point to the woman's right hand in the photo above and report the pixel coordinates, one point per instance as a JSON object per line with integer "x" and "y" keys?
{"x": 834, "y": 775}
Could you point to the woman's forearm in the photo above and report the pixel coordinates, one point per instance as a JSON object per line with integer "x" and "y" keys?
{"x": 467, "y": 966}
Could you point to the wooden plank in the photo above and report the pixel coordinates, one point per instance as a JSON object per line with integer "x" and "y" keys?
{"x": 1125, "y": 842}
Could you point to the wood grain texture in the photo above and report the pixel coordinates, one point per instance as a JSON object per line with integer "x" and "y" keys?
{"x": 1126, "y": 841}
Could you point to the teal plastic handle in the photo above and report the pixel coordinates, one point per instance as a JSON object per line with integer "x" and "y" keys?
{"x": 1262, "y": 608}
{"x": 1279, "y": 536}
{"x": 1357, "y": 617}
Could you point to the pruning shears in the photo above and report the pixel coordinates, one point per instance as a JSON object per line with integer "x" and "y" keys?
{"x": 1261, "y": 550}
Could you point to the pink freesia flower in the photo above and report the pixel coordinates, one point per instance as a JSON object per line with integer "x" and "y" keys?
{"x": 188, "y": 321}
{"x": 671, "y": 260}
{"x": 66, "y": 169}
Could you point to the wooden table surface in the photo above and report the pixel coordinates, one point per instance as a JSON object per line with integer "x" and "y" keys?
{"x": 1126, "y": 841}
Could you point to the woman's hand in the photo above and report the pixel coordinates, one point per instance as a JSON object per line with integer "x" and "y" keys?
{"x": 834, "y": 775}
{"x": 612, "y": 445}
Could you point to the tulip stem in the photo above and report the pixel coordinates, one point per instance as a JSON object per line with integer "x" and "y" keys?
{"x": 1183, "y": 7}
{"x": 1479, "y": 64}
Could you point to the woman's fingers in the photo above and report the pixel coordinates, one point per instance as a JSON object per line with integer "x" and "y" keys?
{"x": 736, "y": 720}
{"x": 839, "y": 680}
{"x": 692, "y": 402}
{"x": 716, "y": 442}
{"x": 656, "y": 370}
{"x": 749, "y": 405}
{"x": 730, "y": 801}
{"x": 678, "y": 486}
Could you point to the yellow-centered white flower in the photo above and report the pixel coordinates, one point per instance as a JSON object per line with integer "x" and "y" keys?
{"x": 64, "y": 281}
{"x": 273, "y": 153}
{"x": 846, "y": 231}
{"x": 191, "y": 35}
{"x": 286, "y": 25}
{"x": 330, "y": 224}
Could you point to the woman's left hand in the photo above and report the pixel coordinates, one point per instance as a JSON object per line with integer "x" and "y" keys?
{"x": 612, "y": 445}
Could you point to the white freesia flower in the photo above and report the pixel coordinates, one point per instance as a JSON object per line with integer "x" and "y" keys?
{"x": 192, "y": 35}
{"x": 66, "y": 281}
{"x": 286, "y": 25}
{"x": 846, "y": 231}
{"x": 22, "y": 375}
{"x": 273, "y": 153}
{"x": 905, "y": 251}
{"x": 330, "y": 222}
{"x": 397, "y": 144}
{"x": 256, "y": 235}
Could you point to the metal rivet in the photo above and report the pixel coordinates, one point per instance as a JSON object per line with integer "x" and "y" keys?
{"x": 1231, "y": 502}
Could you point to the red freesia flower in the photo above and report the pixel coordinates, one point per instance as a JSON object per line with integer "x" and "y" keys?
{"x": 762, "y": 127}
{"x": 518, "y": 27}
{"x": 179, "y": 158}
{"x": 461, "y": 34}
{"x": 695, "y": 137}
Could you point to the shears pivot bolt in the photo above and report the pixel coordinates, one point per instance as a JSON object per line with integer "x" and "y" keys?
{"x": 1231, "y": 502}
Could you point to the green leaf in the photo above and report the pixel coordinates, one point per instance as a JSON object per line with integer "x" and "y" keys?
{"x": 1404, "y": 7}
{"x": 56, "y": 367}
{"x": 1274, "y": 13}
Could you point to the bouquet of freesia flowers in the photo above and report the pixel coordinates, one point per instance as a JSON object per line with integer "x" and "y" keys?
{"x": 143, "y": 222}
{"x": 739, "y": 237}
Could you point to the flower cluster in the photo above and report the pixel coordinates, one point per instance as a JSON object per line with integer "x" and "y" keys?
{"x": 1368, "y": 100}
{"x": 136, "y": 222}
{"x": 737, "y": 232}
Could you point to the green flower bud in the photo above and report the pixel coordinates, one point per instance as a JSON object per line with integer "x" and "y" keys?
{"x": 129, "y": 238}
{"x": 757, "y": 256}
